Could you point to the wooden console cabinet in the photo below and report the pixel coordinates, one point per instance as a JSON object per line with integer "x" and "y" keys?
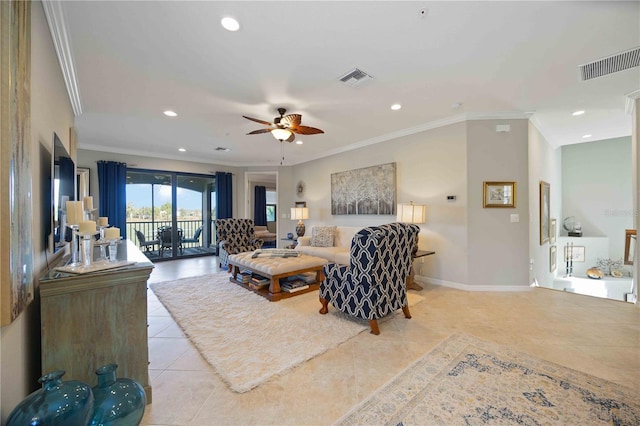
{"x": 89, "y": 320}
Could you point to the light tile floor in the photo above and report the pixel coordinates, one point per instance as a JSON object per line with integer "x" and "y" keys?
{"x": 596, "y": 336}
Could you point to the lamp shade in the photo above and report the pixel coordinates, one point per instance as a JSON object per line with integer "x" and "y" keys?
{"x": 412, "y": 213}
{"x": 299, "y": 213}
{"x": 281, "y": 134}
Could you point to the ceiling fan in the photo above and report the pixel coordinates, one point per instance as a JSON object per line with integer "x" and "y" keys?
{"x": 284, "y": 127}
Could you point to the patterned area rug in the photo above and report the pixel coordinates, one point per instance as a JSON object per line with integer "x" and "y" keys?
{"x": 467, "y": 381}
{"x": 246, "y": 338}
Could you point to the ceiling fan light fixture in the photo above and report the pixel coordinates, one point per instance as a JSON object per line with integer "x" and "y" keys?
{"x": 281, "y": 134}
{"x": 230, "y": 24}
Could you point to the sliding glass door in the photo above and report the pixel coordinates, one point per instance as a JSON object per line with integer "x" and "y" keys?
{"x": 169, "y": 214}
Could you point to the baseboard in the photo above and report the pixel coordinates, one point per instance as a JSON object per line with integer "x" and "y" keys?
{"x": 470, "y": 287}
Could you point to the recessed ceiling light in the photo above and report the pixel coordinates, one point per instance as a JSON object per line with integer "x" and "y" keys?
{"x": 299, "y": 142}
{"x": 586, "y": 136}
{"x": 182, "y": 150}
{"x": 396, "y": 107}
{"x": 577, "y": 112}
{"x": 230, "y": 24}
{"x": 169, "y": 113}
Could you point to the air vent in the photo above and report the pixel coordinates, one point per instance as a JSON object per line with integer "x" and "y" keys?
{"x": 223, "y": 149}
{"x": 355, "y": 77}
{"x": 619, "y": 62}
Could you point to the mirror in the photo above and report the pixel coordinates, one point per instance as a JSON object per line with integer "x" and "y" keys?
{"x": 629, "y": 246}
{"x": 63, "y": 188}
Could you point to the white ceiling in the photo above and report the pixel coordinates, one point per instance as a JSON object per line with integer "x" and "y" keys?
{"x": 128, "y": 61}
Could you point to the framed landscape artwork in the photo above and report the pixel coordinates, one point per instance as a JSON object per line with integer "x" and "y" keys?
{"x": 552, "y": 258}
{"x": 370, "y": 190}
{"x": 16, "y": 265}
{"x": 545, "y": 221}
{"x": 499, "y": 194}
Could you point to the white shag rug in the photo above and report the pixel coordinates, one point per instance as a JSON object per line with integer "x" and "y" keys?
{"x": 246, "y": 338}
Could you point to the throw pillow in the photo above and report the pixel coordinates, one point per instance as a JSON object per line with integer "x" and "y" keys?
{"x": 322, "y": 236}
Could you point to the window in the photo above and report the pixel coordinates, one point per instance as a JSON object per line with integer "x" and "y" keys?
{"x": 271, "y": 205}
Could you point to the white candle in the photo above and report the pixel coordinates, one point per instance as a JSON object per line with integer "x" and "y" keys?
{"x": 88, "y": 203}
{"x": 103, "y": 221}
{"x": 87, "y": 227}
{"x": 112, "y": 233}
{"x": 74, "y": 212}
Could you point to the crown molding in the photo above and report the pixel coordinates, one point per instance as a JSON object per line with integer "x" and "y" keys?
{"x": 57, "y": 25}
{"x": 630, "y": 101}
{"x": 460, "y": 118}
{"x": 551, "y": 141}
{"x": 505, "y": 115}
{"x": 142, "y": 153}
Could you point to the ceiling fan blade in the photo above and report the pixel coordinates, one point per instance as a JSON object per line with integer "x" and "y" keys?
{"x": 257, "y": 132}
{"x": 291, "y": 120}
{"x": 305, "y": 130}
{"x": 258, "y": 121}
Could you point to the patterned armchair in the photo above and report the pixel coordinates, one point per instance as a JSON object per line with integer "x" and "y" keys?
{"x": 373, "y": 285}
{"x": 235, "y": 236}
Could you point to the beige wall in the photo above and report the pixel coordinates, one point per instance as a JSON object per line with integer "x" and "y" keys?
{"x": 429, "y": 165}
{"x": 50, "y": 112}
{"x": 498, "y": 251}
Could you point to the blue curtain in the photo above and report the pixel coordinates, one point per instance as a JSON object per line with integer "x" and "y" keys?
{"x": 224, "y": 196}
{"x": 112, "y": 185}
{"x": 260, "y": 206}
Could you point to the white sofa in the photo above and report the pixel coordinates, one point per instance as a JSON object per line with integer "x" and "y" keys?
{"x": 339, "y": 253}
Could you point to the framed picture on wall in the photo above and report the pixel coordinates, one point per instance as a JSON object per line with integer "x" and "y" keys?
{"x": 552, "y": 232}
{"x": 545, "y": 221}
{"x": 499, "y": 194}
{"x": 552, "y": 258}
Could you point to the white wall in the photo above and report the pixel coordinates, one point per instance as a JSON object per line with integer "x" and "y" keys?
{"x": 597, "y": 188}
{"x": 50, "y": 112}
{"x": 544, "y": 165}
{"x": 498, "y": 253}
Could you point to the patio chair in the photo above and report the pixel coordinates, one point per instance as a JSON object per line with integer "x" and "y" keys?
{"x": 165, "y": 235}
{"x": 195, "y": 238}
{"x": 144, "y": 243}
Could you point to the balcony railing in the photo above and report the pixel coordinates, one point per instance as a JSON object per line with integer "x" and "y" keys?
{"x": 150, "y": 230}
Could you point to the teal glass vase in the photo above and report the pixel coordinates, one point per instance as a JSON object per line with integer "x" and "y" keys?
{"x": 118, "y": 402}
{"x": 57, "y": 403}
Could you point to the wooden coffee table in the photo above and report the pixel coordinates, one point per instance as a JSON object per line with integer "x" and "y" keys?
{"x": 276, "y": 268}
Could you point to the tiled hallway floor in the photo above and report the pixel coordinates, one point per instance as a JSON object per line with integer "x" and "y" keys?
{"x": 596, "y": 336}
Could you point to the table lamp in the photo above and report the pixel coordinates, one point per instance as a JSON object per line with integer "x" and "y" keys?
{"x": 412, "y": 213}
{"x": 299, "y": 213}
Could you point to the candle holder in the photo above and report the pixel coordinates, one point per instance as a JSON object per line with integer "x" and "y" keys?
{"x": 568, "y": 250}
{"x": 102, "y": 243}
{"x": 74, "y": 245}
{"x": 87, "y": 249}
{"x": 113, "y": 250}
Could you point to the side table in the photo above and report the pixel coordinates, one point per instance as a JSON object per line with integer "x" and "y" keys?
{"x": 411, "y": 284}
{"x": 292, "y": 243}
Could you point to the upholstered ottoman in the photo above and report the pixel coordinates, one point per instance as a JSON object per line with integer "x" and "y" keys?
{"x": 276, "y": 268}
